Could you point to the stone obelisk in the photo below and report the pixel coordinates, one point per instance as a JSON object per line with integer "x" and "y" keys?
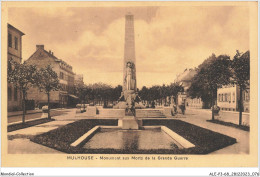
{"x": 129, "y": 93}
{"x": 129, "y": 68}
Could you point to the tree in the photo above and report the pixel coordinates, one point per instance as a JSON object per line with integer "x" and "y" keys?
{"x": 47, "y": 81}
{"x": 212, "y": 74}
{"x": 23, "y": 77}
{"x": 175, "y": 88}
{"x": 80, "y": 91}
{"x": 165, "y": 91}
{"x": 241, "y": 76}
{"x": 143, "y": 93}
{"x": 116, "y": 93}
{"x": 99, "y": 92}
{"x": 199, "y": 90}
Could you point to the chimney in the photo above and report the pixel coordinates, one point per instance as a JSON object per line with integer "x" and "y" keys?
{"x": 50, "y": 51}
{"x": 39, "y": 47}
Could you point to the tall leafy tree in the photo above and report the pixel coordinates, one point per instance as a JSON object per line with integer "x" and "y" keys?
{"x": 199, "y": 90}
{"x": 165, "y": 92}
{"x": 80, "y": 91}
{"x": 23, "y": 77}
{"x": 47, "y": 81}
{"x": 212, "y": 74}
{"x": 143, "y": 93}
{"x": 174, "y": 89}
{"x": 241, "y": 76}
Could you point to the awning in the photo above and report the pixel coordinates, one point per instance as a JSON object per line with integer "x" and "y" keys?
{"x": 73, "y": 96}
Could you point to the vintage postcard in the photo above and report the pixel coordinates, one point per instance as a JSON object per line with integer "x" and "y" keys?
{"x": 129, "y": 84}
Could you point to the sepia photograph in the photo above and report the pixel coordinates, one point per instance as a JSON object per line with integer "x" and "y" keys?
{"x": 129, "y": 84}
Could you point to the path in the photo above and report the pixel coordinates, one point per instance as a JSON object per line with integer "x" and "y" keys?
{"x": 199, "y": 117}
{"x": 18, "y": 141}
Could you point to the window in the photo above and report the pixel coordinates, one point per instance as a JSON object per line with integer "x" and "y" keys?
{"x": 229, "y": 97}
{"x": 225, "y": 97}
{"x": 9, "y": 93}
{"x": 9, "y": 40}
{"x": 248, "y": 96}
{"x": 16, "y": 43}
{"x": 234, "y": 97}
{"x": 15, "y": 94}
{"x": 219, "y": 97}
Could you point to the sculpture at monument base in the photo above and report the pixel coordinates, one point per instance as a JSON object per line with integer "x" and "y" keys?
{"x": 130, "y": 78}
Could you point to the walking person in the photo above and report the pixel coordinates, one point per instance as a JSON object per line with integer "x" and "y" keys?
{"x": 183, "y": 107}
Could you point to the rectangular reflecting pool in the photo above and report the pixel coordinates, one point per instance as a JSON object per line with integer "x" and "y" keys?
{"x": 130, "y": 139}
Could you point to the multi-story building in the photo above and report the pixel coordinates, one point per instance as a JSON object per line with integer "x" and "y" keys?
{"x": 14, "y": 52}
{"x": 228, "y": 98}
{"x": 62, "y": 98}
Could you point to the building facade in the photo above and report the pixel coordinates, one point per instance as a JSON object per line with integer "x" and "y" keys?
{"x": 62, "y": 98}
{"x": 228, "y": 98}
{"x": 14, "y": 52}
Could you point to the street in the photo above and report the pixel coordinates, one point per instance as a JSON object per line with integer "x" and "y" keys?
{"x": 18, "y": 118}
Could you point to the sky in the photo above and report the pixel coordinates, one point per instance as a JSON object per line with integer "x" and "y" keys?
{"x": 167, "y": 39}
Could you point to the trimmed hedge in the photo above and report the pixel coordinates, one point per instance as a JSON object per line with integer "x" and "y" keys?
{"x": 229, "y": 124}
{"x": 28, "y": 123}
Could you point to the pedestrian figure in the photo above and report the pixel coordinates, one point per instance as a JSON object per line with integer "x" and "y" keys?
{"x": 174, "y": 109}
{"x": 182, "y": 106}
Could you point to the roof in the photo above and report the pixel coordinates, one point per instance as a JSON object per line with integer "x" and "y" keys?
{"x": 12, "y": 27}
{"x": 52, "y": 56}
{"x": 186, "y": 76}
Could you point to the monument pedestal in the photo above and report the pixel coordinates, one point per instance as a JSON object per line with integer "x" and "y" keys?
{"x": 129, "y": 123}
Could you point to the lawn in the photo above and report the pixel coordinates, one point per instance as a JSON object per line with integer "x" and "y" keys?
{"x": 205, "y": 141}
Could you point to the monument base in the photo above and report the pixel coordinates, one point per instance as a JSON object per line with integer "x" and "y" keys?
{"x": 129, "y": 123}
